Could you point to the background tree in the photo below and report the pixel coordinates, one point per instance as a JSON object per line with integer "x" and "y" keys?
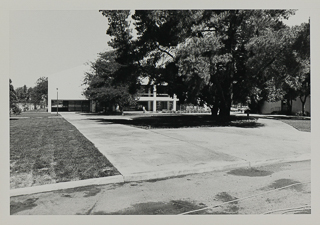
{"x": 23, "y": 94}
{"x": 13, "y": 98}
{"x": 288, "y": 76}
{"x": 39, "y": 93}
{"x": 301, "y": 47}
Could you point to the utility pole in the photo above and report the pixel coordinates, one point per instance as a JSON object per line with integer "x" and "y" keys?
{"x": 57, "y": 102}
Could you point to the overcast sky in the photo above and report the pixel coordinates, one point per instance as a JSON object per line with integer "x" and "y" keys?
{"x": 47, "y": 42}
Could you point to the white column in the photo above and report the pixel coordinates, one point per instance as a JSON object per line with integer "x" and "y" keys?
{"x": 49, "y": 104}
{"x": 149, "y": 102}
{"x": 49, "y": 94}
{"x": 174, "y": 107}
{"x": 154, "y": 98}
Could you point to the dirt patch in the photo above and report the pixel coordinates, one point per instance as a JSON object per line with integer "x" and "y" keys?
{"x": 225, "y": 197}
{"x": 250, "y": 172}
{"x": 66, "y": 196}
{"x": 231, "y": 208}
{"x": 21, "y": 206}
{"x": 165, "y": 178}
{"x": 157, "y": 208}
{"x": 92, "y": 192}
{"x": 77, "y": 189}
{"x": 88, "y": 190}
{"x": 283, "y": 183}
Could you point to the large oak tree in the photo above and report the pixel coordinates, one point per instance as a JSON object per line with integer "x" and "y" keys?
{"x": 212, "y": 57}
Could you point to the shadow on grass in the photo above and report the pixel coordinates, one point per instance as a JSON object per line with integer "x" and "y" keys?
{"x": 183, "y": 121}
{"x": 284, "y": 117}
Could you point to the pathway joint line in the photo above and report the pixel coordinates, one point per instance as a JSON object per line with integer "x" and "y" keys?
{"x": 240, "y": 199}
{"x": 288, "y": 209}
{"x": 199, "y": 146}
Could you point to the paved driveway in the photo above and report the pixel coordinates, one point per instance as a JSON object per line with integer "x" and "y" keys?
{"x": 141, "y": 154}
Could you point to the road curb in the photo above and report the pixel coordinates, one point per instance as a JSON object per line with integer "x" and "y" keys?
{"x": 66, "y": 185}
{"x": 205, "y": 169}
{"x": 181, "y": 172}
{"x": 296, "y": 158}
{"x": 151, "y": 175}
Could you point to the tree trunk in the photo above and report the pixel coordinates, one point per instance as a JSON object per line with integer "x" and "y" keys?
{"x": 225, "y": 104}
{"x": 224, "y": 112}
{"x": 289, "y": 106}
{"x": 303, "y": 103}
{"x": 214, "y": 111}
{"x": 225, "y": 108}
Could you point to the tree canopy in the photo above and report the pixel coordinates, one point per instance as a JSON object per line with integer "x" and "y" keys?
{"x": 291, "y": 69}
{"x": 212, "y": 57}
{"x": 23, "y": 94}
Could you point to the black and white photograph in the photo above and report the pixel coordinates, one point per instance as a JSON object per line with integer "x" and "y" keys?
{"x": 187, "y": 112}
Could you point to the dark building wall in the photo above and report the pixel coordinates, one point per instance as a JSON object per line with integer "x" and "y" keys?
{"x": 70, "y": 105}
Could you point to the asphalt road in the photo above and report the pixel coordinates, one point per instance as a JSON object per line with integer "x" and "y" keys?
{"x": 274, "y": 189}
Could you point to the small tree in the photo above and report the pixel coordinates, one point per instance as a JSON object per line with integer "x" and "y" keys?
{"x": 23, "y": 95}
{"x": 39, "y": 94}
{"x": 12, "y": 101}
{"x": 105, "y": 83}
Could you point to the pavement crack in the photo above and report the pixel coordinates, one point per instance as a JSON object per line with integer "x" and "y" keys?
{"x": 102, "y": 193}
{"x": 90, "y": 210}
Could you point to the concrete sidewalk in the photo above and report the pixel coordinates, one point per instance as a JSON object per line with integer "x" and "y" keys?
{"x": 141, "y": 154}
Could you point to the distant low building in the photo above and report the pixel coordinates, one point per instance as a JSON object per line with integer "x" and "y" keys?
{"x": 65, "y": 94}
{"x": 65, "y": 91}
{"x": 281, "y": 106}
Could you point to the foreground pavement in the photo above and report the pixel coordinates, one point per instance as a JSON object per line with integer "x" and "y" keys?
{"x": 147, "y": 157}
{"x": 142, "y": 154}
{"x": 282, "y": 188}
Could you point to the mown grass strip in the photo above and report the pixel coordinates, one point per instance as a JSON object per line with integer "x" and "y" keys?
{"x": 45, "y": 150}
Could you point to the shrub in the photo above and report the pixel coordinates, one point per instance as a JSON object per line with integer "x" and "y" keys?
{"x": 302, "y": 114}
{"x": 15, "y": 110}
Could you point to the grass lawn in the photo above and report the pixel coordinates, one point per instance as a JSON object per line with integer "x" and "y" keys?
{"x": 301, "y": 125}
{"x": 46, "y": 149}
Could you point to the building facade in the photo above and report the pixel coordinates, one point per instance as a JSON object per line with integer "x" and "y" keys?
{"x": 65, "y": 94}
{"x": 155, "y": 98}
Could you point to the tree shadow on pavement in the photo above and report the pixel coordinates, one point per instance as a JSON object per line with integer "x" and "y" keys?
{"x": 183, "y": 121}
